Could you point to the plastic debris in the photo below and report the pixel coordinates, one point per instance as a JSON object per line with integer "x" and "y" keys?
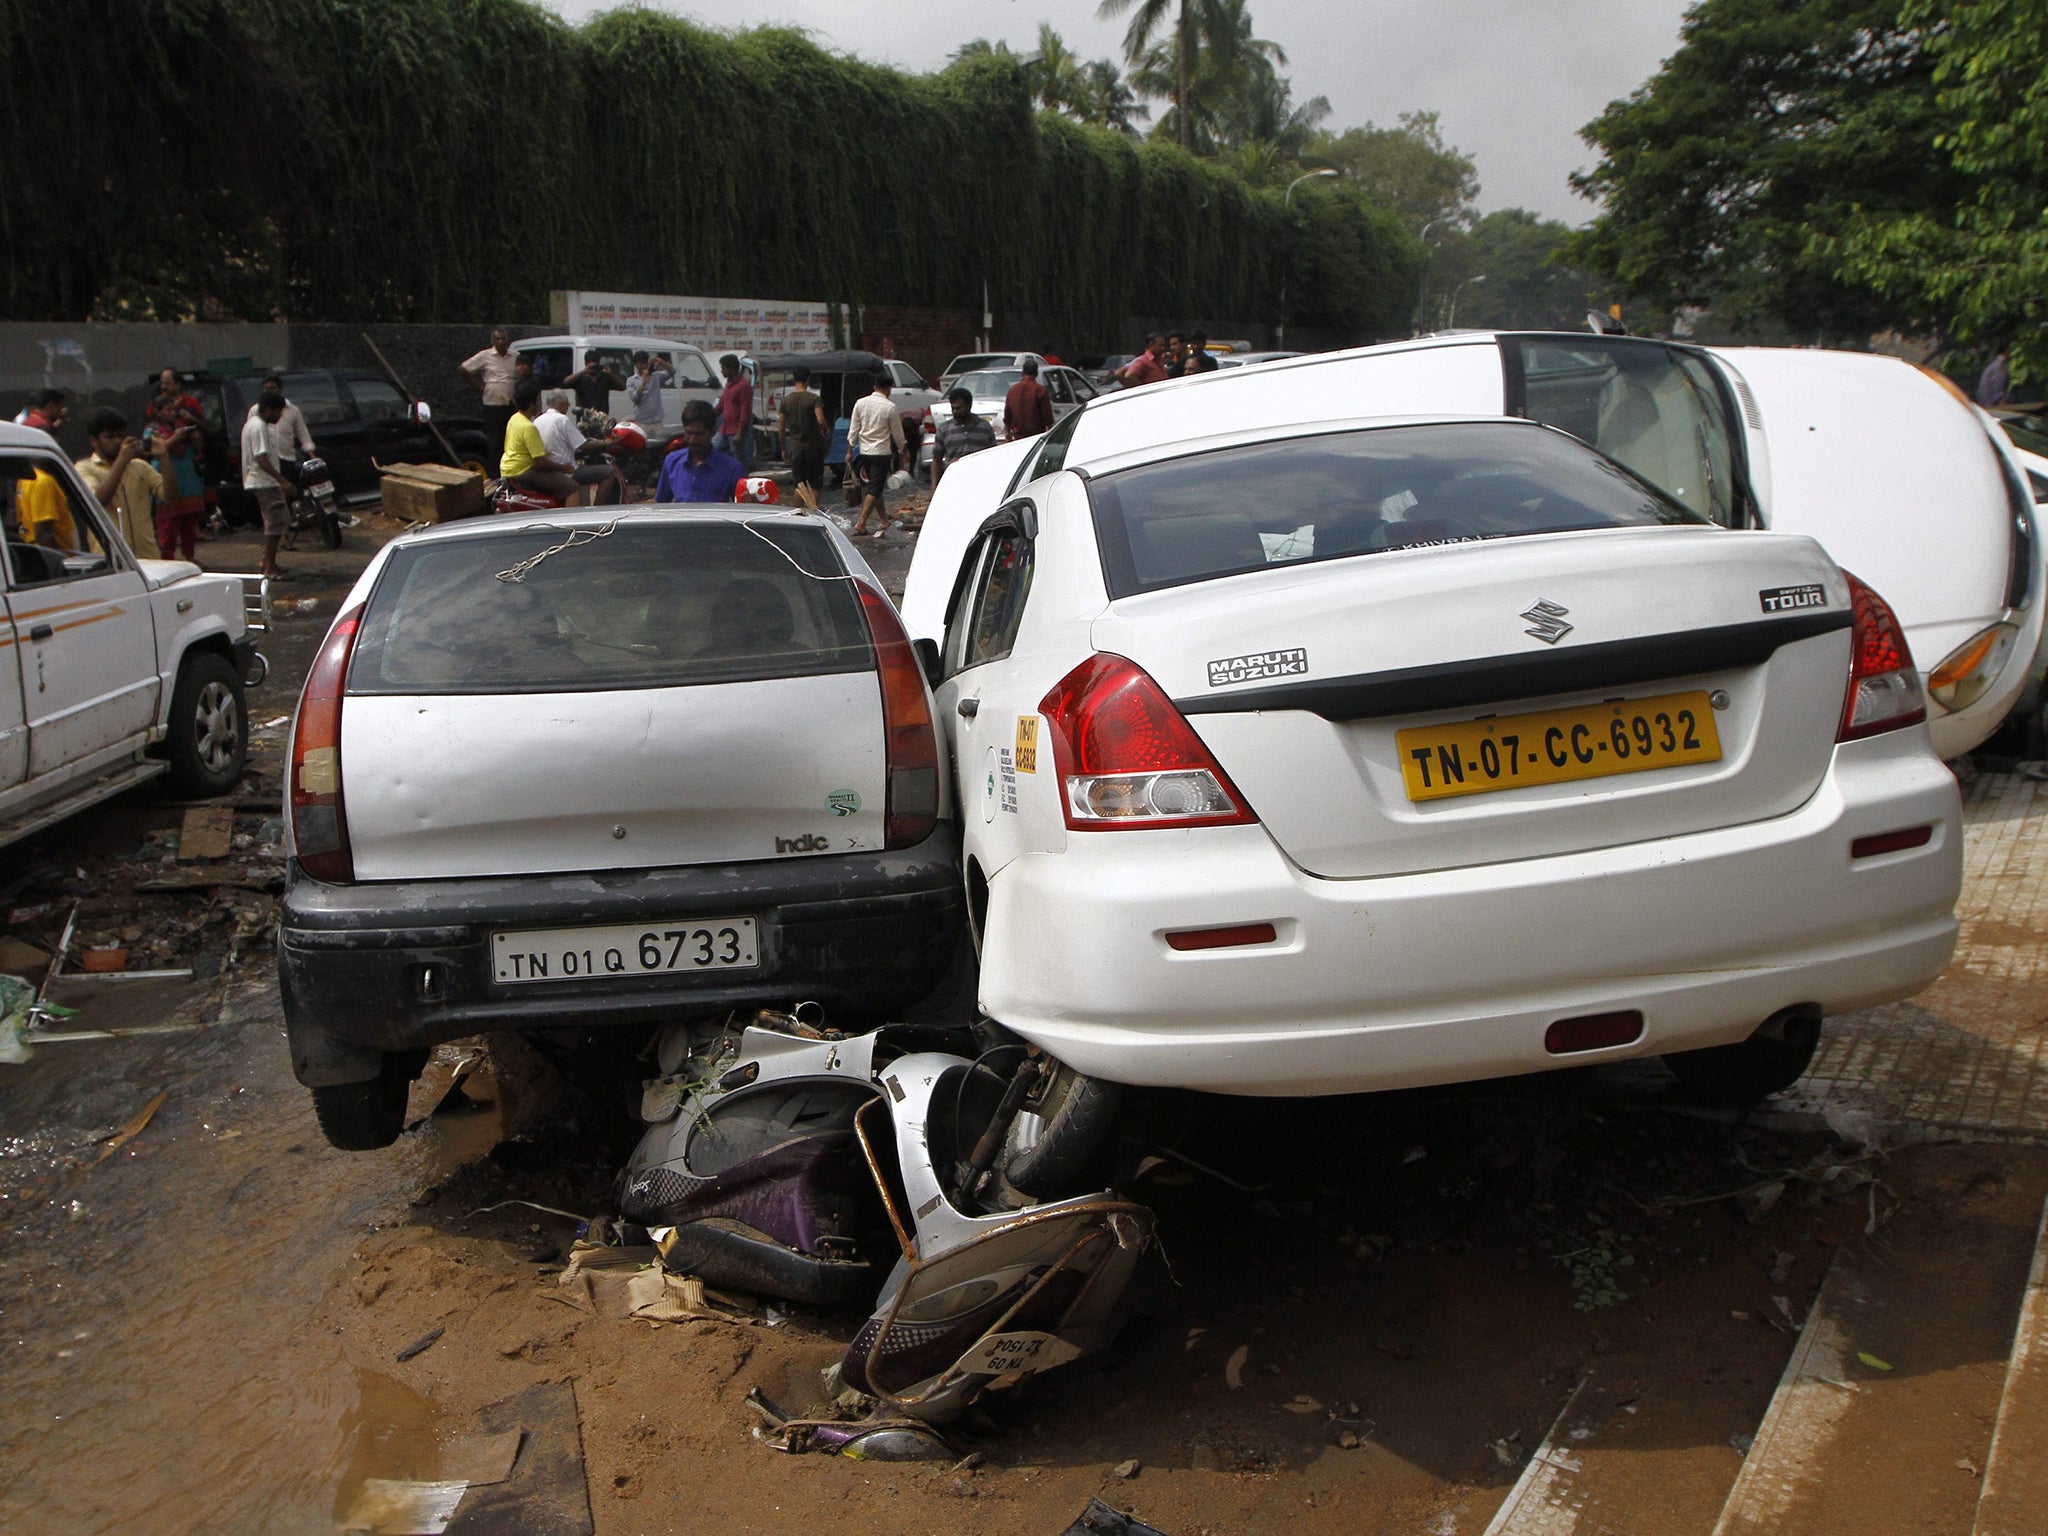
{"x": 420, "y": 1345}
{"x": 1233, "y": 1368}
{"x": 1872, "y": 1361}
{"x": 1098, "y": 1519}
{"x": 133, "y": 1128}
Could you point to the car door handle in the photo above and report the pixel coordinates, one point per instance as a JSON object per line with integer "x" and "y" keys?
{"x": 41, "y": 632}
{"x": 968, "y": 708}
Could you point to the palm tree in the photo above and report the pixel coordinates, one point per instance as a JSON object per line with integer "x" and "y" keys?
{"x": 1147, "y": 18}
{"x": 1056, "y": 75}
{"x": 1107, "y": 101}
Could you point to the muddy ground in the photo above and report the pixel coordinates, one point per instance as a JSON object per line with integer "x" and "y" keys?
{"x": 203, "y": 1323}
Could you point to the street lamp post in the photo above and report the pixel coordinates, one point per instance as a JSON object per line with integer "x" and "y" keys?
{"x": 1451, "y": 321}
{"x": 1286, "y": 204}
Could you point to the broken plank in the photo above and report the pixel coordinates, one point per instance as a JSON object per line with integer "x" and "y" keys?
{"x": 208, "y": 832}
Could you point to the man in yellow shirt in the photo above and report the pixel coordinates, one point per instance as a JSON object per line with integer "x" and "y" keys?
{"x": 125, "y": 482}
{"x": 525, "y": 461}
{"x": 43, "y": 512}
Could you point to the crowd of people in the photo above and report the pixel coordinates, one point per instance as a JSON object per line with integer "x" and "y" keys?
{"x": 151, "y": 481}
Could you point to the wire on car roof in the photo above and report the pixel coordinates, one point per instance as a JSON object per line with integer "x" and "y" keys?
{"x": 577, "y": 536}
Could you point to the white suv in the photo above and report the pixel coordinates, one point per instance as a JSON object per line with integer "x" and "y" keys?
{"x": 114, "y": 668}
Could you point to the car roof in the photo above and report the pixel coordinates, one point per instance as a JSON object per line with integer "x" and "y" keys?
{"x": 643, "y": 343}
{"x": 12, "y": 436}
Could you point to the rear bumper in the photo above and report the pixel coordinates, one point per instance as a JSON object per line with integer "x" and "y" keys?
{"x": 399, "y": 965}
{"x": 1455, "y": 975}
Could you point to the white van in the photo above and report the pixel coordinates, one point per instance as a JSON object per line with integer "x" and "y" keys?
{"x": 695, "y": 373}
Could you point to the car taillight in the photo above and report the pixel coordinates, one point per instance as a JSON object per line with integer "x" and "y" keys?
{"x": 1128, "y": 758}
{"x": 319, "y": 822}
{"x": 913, "y": 743}
{"x": 1884, "y": 689}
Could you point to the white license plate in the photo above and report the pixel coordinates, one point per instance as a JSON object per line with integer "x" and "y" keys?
{"x": 1012, "y": 1354}
{"x": 641, "y": 949}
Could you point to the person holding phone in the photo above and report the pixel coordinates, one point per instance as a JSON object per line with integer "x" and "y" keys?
{"x": 172, "y": 444}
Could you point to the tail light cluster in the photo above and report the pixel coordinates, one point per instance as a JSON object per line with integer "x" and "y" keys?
{"x": 319, "y": 819}
{"x": 1128, "y": 758}
{"x": 1884, "y": 688}
{"x": 913, "y": 743}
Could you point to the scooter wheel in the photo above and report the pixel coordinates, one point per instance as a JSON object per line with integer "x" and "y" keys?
{"x": 330, "y": 530}
{"x": 1072, "y": 1151}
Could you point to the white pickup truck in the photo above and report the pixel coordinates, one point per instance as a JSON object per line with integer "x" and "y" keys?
{"x": 113, "y": 669}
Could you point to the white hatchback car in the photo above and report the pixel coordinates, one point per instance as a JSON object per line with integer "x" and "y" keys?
{"x": 1372, "y": 753}
{"x": 1902, "y": 480}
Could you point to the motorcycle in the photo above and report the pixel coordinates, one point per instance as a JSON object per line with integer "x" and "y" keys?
{"x": 311, "y": 505}
{"x": 507, "y": 496}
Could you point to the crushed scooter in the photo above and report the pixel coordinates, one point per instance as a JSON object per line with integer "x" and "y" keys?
{"x": 771, "y": 1147}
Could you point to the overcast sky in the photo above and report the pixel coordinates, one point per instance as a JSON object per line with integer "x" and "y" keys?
{"x": 1514, "y": 80}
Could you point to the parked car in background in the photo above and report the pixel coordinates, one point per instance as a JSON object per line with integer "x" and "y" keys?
{"x": 358, "y": 420}
{"x": 741, "y": 804}
{"x": 1851, "y": 448}
{"x": 1067, "y": 388}
{"x": 114, "y": 667}
{"x": 915, "y": 397}
{"x": 1311, "y": 756}
{"x": 974, "y": 362}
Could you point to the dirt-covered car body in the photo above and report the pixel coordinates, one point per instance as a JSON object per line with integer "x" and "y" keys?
{"x": 604, "y": 769}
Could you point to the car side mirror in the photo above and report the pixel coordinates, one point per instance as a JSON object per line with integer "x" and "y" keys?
{"x": 84, "y": 565}
{"x": 928, "y": 657}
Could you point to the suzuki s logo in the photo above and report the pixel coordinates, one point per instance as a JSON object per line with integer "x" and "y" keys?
{"x": 1546, "y": 622}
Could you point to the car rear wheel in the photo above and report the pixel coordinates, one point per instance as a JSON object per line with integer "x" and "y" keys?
{"x": 361, "y": 1117}
{"x": 209, "y": 735}
{"x": 1768, "y": 1062}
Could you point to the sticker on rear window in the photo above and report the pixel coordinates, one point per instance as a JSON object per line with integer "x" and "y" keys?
{"x": 1786, "y": 599}
{"x": 843, "y": 802}
{"x": 1258, "y": 665}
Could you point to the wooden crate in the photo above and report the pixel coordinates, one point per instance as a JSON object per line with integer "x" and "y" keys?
{"x": 432, "y": 493}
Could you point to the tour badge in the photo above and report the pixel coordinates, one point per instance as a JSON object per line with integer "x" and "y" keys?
{"x": 1791, "y": 599}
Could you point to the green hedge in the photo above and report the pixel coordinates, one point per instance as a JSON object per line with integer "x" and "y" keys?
{"x": 425, "y": 160}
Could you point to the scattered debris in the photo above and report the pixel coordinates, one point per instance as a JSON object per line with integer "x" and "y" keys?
{"x": 420, "y": 1345}
{"x": 208, "y": 833}
{"x": 1872, "y": 1361}
{"x": 133, "y": 1128}
{"x": 96, "y": 962}
{"x": 1302, "y": 1403}
{"x": 1233, "y": 1368}
{"x": 1126, "y": 1469}
{"x": 1098, "y": 1519}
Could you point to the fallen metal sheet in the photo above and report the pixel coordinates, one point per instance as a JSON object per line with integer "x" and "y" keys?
{"x": 545, "y": 1495}
{"x": 1098, "y": 1519}
{"x": 208, "y": 833}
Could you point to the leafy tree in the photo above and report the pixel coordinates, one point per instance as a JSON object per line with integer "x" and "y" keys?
{"x": 1408, "y": 168}
{"x": 1982, "y": 269}
{"x": 1775, "y": 126}
{"x": 1509, "y": 272}
{"x": 1149, "y": 18}
{"x": 1107, "y": 101}
{"x": 1056, "y": 75}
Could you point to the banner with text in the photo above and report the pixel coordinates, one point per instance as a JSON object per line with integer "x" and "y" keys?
{"x": 735, "y": 325}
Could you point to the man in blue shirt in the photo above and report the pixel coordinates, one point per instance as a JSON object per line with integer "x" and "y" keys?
{"x": 697, "y": 472}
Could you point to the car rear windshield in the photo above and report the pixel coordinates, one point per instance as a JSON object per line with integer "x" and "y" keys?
{"x": 989, "y": 382}
{"x": 643, "y": 605}
{"x": 1331, "y": 496}
{"x": 967, "y": 362}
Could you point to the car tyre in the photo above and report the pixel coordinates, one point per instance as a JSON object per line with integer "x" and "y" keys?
{"x": 1751, "y": 1069}
{"x": 208, "y": 742}
{"x": 361, "y": 1117}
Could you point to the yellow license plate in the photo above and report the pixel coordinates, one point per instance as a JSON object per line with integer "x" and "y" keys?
{"x": 1556, "y": 746}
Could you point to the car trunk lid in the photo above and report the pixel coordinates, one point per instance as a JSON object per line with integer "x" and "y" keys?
{"x": 1307, "y": 682}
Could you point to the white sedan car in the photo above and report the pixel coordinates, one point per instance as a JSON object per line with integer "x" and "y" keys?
{"x": 1377, "y": 752}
